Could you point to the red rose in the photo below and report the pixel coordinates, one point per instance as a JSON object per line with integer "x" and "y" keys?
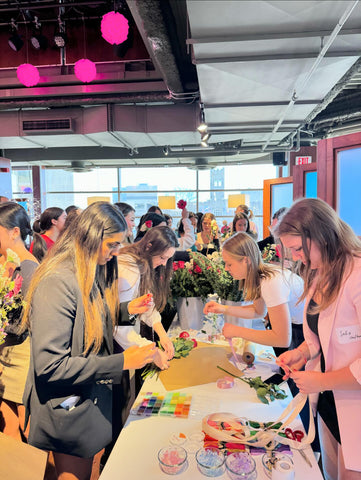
{"x": 175, "y": 266}
{"x": 18, "y": 283}
{"x": 184, "y": 334}
{"x": 181, "y": 264}
{"x": 181, "y": 204}
{"x": 197, "y": 269}
{"x": 149, "y": 223}
{"x": 195, "y": 344}
{"x": 278, "y": 251}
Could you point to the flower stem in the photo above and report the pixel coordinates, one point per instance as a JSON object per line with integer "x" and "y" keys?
{"x": 235, "y": 376}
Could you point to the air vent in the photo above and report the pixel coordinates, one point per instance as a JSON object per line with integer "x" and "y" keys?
{"x": 60, "y": 125}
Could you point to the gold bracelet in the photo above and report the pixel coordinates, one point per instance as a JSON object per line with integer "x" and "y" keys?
{"x": 226, "y": 307}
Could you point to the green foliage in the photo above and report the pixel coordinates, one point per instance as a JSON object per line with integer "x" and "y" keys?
{"x": 265, "y": 392}
{"x": 182, "y": 347}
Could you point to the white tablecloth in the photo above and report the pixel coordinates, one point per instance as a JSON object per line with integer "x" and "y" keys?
{"x": 134, "y": 456}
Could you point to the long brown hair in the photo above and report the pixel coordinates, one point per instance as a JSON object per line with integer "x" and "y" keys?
{"x": 155, "y": 280}
{"x": 241, "y": 245}
{"x": 79, "y": 248}
{"x": 314, "y": 220}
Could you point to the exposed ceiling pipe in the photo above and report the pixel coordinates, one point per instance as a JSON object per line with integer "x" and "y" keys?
{"x": 315, "y": 65}
{"x": 148, "y": 17}
{"x": 93, "y": 100}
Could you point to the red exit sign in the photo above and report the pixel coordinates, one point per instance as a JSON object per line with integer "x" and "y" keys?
{"x": 303, "y": 160}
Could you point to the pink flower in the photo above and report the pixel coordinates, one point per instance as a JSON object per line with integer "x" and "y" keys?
{"x": 224, "y": 229}
{"x": 181, "y": 264}
{"x": 181, "y": 204}
{"x": 149, "y": 223}
{"x": 18, "y": 283}
{"x": 278, "y": 251}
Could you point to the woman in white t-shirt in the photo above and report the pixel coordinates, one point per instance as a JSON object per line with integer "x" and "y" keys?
{"x": 268, "y": 288}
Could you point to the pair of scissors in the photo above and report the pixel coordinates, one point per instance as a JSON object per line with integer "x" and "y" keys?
{"x": 298, "y": 435}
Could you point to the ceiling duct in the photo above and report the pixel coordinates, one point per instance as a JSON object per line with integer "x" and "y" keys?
{"x": 39, "y": 127}
{"x": 78, "y": 167}
{"x": 201, "y": 164}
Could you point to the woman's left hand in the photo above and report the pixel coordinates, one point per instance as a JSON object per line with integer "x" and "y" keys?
{"x": 141, "y": 304}
{"x": 309, "y": 381}
{"x": 168, "y": 346}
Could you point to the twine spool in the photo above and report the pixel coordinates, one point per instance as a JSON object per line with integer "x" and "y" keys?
{"x": 283, "y": 470}
{"x": 249, "y": 353}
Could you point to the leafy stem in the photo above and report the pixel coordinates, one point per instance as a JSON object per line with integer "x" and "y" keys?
{"x": 264, "y": 391}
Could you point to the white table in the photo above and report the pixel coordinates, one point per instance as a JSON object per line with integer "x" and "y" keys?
{"x": 134, "y": 456}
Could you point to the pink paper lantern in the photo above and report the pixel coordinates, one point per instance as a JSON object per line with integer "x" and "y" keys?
{"x": 114, "y": 27}
{"x": 85, "y": 70}
{"x": 28, "y": 75}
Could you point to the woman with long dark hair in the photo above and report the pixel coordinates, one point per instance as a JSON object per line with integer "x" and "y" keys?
{"x": 71, "y": 310}
{"x": 15, "y": 353}
{"x": 146, "y": 267}
{"x": 47, "y": 230}
{"x": 330, "y": 256}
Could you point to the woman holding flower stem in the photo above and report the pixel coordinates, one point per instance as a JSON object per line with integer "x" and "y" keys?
{"x": 146, "y": 267}
{"x": 71, "y": 311}
{"x": 266, "y": 286}
{"x": 15, "y": 358}
{"x": 330, "y": 257}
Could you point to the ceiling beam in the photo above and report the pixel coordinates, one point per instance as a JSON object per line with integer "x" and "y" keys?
{"x": 269, "y": 36}
{"x": 259, "y": 104}
{"x": 262, "y": 57}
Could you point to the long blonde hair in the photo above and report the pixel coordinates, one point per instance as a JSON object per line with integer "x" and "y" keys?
{"x": 314, "y": 220}
{"x": 242, "y": 245}
{"x": 78, "y": 248}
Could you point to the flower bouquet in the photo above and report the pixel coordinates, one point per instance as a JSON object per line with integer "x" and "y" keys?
{"x": 189, "y": 278}
{"x": 11, "y": 299}
{"x": 271, "y": 253}
{"x": 223, "y": 284}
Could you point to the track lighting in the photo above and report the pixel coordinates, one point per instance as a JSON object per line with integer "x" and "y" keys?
{"x": 202, "y": 127}
{"x": 204, "y": 139}
{"x": 37, "y": 40}
{"x": 166, "y": 151}
{"x": 15, "y": 41}
{"x": 60, "y": 38}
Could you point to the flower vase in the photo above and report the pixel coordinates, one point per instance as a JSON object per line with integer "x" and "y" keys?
{"x": 241, "y": 322}
{"x": 190, "y": 312}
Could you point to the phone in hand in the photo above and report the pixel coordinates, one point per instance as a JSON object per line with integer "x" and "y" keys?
{"x": 276, "y": 379}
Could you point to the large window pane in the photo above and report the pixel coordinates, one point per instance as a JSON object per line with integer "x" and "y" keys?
{"x": 348, "y": 187}
{"x": 236, "y": 177}
{"x": 167, "y": 178}
{"x": 282, "y": 196}
{"x": 21, "y": 181}
{"x": 311, "y": 184}
{"x": 98, "y": 180}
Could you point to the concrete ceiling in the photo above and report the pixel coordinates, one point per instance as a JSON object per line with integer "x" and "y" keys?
{"x": 267, "y": 75}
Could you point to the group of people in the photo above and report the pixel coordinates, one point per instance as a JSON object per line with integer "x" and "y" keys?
{"x": 94, "y": 279}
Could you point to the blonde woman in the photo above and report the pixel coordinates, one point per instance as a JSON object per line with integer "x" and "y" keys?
{"x": 207, "y": 240}
{"x": 268, "y": 288}
{"x": 71, "y": 310}
{"x": 330, "y": 254}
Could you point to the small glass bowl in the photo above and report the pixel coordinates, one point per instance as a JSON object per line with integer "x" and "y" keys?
{"x": 210, "y": 462}
{"x": 268, "y": 461}
{"x": 172, "y": 460}
{"x": 241, "y": 466}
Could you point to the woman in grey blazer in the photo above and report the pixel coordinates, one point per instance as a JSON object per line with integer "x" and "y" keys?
{"x": 71, "y": 311}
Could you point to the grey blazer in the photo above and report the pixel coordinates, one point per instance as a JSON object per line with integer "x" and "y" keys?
{"x": 58, "y": 370}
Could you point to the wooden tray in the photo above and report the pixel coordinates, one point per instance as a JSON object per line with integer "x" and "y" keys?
{"x": 199, "y": 368}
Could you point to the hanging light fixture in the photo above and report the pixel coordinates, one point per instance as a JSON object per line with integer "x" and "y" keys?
{"x": 37, "y": 39}
{"x": 202, "y": 127}
{"x": 204, "y": 139}
{"x": 15, "y": 41}
{"x": 60, "y": 38}
{"x": 28, "y": 75}
{"x": 114, "y": 27}
{"x": 85, "y": 70}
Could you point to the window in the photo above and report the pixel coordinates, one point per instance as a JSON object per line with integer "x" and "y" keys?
{"x": 348, "y": 187}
